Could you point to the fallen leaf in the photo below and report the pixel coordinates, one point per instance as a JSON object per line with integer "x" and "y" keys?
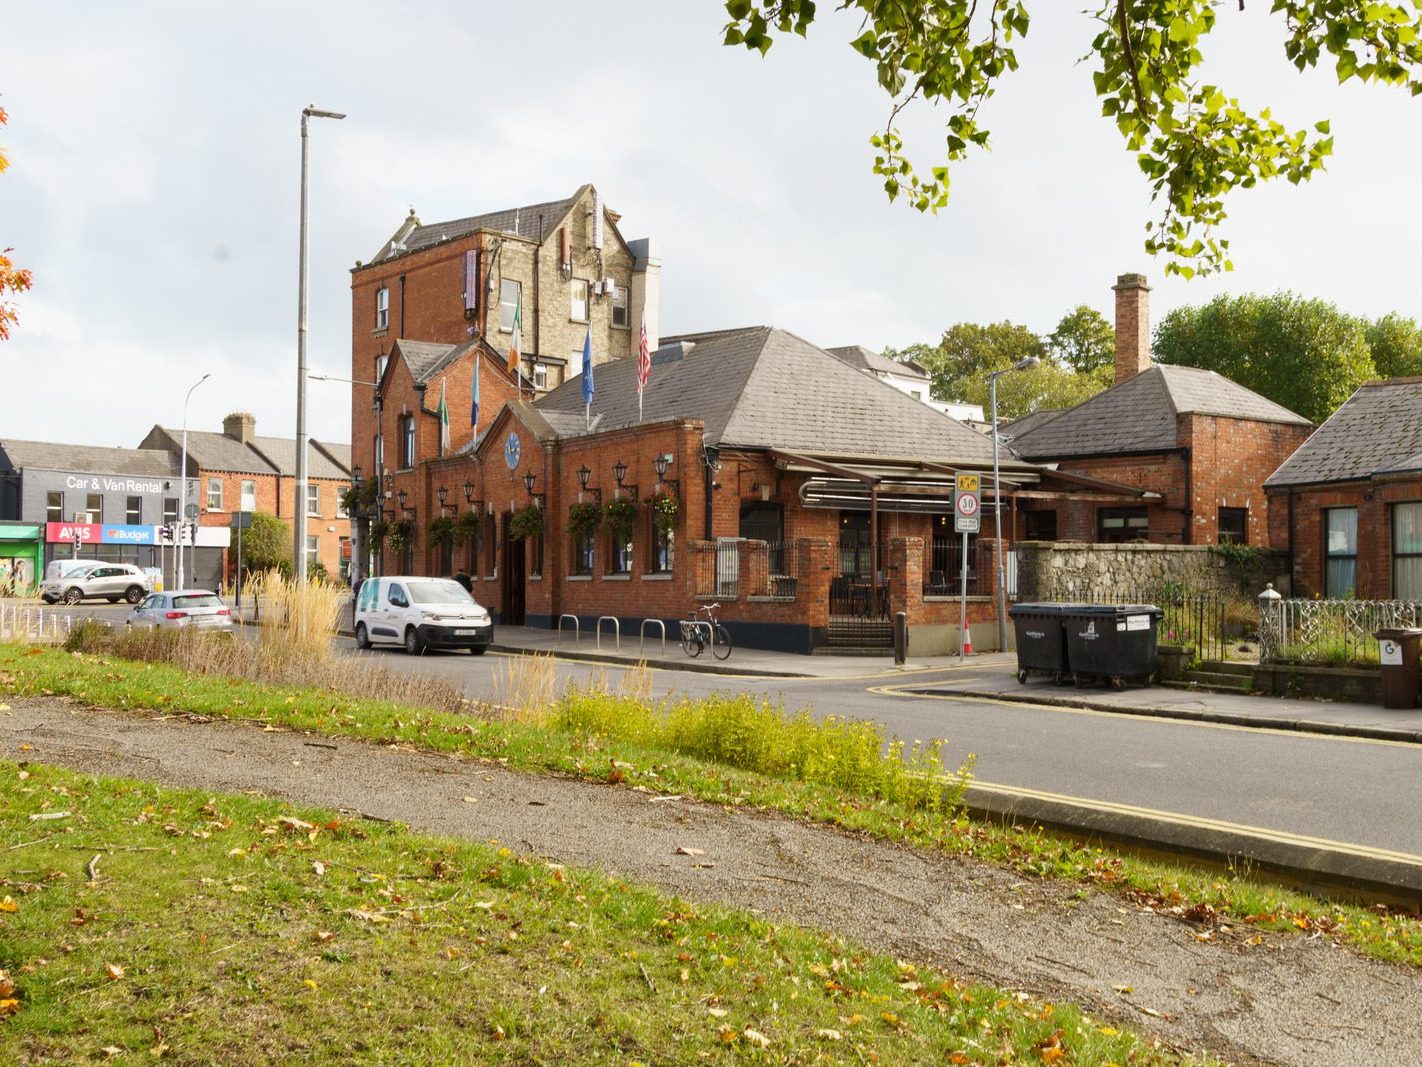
{"x": 309, "y": 983}
{"x": 295, "y": 824}
{"x": 7, "y": 987}
{"x": 834, "y": 1035}
{"x": 113, "y": 970}
{"x": 1124, "y": 989}
{"x": 470, "y": 800}
{"x": 8, "y": 1006}
{"x": 111, "y": 1050}
{"x": 324, "y": 936}
{"x": 46, "y": 816}
{"x": 9, "y": 905}
{"x": 684, "y": 850}
{"x": 718, "y": 1013}
{"x": 756, "y": 1038}
{"x": 319, "y": 868}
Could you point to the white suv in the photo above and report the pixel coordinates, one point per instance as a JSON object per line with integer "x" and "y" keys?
{"x": 420, "y": 613}
{"x": 101, "y": 581}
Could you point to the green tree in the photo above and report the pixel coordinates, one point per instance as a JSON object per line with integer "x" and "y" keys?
{"x": 13, "y": 279}
{"x": 266, "y": 544}
{"x": 1396, "y": 346}
{"x": 1304, "y": 354}
{"x": 1083, "y": 340}
{"x": 968, "y": 352}
{"x": 1192, "y": 142}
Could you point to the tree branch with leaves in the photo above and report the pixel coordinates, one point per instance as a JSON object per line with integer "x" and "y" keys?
{"x": 1194, "y": 143}
{"x": 13, "y": 279}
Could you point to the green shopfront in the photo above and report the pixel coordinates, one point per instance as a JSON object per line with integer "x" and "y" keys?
{"x": 21, "y": 557}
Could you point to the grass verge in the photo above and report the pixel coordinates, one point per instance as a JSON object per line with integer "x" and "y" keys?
{"x": 610, "y": 738}
{"x": 149, "y": 922}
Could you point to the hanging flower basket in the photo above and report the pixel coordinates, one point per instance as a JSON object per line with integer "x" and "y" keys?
{"x": 583, "y": 519}
{"x": 379, "y": 531}
{"x": 401, "y": 535}
{"x": 665, "y": 508}
{"x": 441, "y": 530}
{"x": 466, "y": 528}
{"x": 526, "y": 523}
{"x": 620, "y": 516}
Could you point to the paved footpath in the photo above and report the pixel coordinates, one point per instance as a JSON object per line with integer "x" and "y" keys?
{"x": 1248, "y": 998}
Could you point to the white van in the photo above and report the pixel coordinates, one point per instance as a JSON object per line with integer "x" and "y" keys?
{"x": 420, "y": 613}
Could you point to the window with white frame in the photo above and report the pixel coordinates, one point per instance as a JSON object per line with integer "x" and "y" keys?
{"x": 578, "y": 300}
{"x": 540, "y": 376}
{"x": 380, "y": 362}
{"x": 95, "y": 507}
{"x": 382, "y": 308}
{"x": 1407, "y": 551}
{"x": 509, "y": 293}
{"x": 313, "y": 548}
{"x": 1340, "y": 550}
{"x": 53, "y": 507}
{"x": 133, "y": 514}
{"x": 214, "y": 494}
{"x": 621, "y": 313}
{"x": 341, "y": 491}
{"x": 313, "y": 499}
{"x": 249, "y": 495}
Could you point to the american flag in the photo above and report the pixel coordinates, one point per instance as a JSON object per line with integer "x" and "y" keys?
{"x": 644, "y": 367}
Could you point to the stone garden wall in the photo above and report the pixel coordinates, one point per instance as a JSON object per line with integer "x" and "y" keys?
{"x": 1061, "y": 571}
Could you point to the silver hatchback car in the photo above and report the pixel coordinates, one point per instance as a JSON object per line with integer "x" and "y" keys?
{"x": 196, "y": 609}
{"x": 103, "y": 581}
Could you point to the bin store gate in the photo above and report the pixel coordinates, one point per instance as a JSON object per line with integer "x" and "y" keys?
{"x": 859, "y": 597}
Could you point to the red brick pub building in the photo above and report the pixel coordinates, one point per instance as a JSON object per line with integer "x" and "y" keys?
{"x": 811, "y": 500}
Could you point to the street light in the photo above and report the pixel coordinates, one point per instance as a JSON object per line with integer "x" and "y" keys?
{"x": 299, "y": 526}
{"x": 357, "y": 569}
{"x": 1021, "y": 364}
{"x": 183, "y": 506}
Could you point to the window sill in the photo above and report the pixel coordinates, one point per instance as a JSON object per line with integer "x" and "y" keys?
{"x": 617, "y": 327}
{"x": 659, "y": 577}
{"x": 535, "y": 577}
{"x": 617, "y": 577}
{"x": 580, "y": 577}
{"x": 380, "y": 331}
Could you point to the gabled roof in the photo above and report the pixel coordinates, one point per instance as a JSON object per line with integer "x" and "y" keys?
{"x": 213, "y": 451}
{"x": 45, "y": 455}
{"x": 1377, "y": 431}
{"x": 874, "y": 363}
{"x": 1139, "y": 414}
{"x": 1015, "y": 428}
{"x": 761, "y": 387}
{"x": 281, "y": 452}
{"x": 425, "y": 359}
{"x": 520, "y": 221}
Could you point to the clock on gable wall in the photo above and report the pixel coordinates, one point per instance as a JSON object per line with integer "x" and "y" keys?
{"x": 513, "y": 451}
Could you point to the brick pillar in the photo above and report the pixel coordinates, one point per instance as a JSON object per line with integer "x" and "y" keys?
{"x": 1132, "y": 326}
{"x": 817, "y": 559}
{"x": 906, "y": 577}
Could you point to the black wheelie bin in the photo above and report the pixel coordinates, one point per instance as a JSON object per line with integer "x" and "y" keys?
{"x": 1041, "y": 644}
{"x": 1114, "y": 642}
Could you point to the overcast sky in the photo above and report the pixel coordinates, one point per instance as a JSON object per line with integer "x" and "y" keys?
{"x": 155, "y": 163}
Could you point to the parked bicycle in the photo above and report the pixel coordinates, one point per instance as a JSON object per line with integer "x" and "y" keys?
{"x": 701, "y": 628}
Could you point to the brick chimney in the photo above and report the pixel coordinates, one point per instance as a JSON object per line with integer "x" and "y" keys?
{"x": 1132, "y": 326}
{"x": 241, "y": 425}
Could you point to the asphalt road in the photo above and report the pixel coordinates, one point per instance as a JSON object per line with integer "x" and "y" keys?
{"x": 1357, "y": 792}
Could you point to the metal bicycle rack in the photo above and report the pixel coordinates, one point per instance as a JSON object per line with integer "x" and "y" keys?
{"x": 642, "y": 644}
{"x": 577, "y": 635}
{"x": 616, "y": 629}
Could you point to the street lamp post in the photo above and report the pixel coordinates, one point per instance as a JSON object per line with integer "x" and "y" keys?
{"x": 183, "y": 502}
{"x": 359, "y": 512}
{"x": 299, "y": 511}
{"x": 1022, "y": 364}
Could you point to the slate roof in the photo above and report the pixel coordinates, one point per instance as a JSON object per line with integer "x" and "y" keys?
{"x": 866, "y": 359}
{"x": 1017, "y": 427}
{"x": 522, "y": 221}
{"x": 1139, "y": 414}
{"x": 281, "y": 451}
{"x": 425, "y": 359}
{"x": 218, "y": 452}
{"x": 761, "y": 387}
{"x": 1377, "y": 430}
{"x": 46, "y": 455}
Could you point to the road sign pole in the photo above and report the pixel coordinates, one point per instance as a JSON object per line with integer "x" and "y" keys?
{"x": 963, "y": 602}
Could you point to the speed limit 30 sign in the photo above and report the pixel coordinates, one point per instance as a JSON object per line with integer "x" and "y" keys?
{"x": 966, "y": 504}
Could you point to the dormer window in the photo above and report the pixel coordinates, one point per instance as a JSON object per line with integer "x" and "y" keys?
{"x": 382, "y": 308}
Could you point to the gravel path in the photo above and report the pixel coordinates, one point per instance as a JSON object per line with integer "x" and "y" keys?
{"x": 1291, "y": 1000}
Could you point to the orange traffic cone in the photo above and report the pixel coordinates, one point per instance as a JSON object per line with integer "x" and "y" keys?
{"x": 967, "y": 642}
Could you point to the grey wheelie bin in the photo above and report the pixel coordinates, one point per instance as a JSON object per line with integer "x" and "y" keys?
{"x": 1114, "y": 642}
{"x": 1041, "y": 643}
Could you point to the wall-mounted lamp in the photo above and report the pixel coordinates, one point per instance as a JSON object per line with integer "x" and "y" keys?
{"x": 529, "y": 481}
{"x": 661, "y": 463}
{"x": 469, "y": 492}
{"x": 442, "y": 493}
{"x": 619, "y": 472}
{"x": 583, "y": 475}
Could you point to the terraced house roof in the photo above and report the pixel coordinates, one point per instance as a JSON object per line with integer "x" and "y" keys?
{"x": 1377, "y": 431}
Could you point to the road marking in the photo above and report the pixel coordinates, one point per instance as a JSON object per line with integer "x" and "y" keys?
{"x": 1164, "y": 718}
{"x": 1198, "y": 822}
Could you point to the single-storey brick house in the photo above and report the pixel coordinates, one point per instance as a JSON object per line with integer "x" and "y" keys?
{"x": 1203, "y": 443}
{"x": 1347, "y": 505}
